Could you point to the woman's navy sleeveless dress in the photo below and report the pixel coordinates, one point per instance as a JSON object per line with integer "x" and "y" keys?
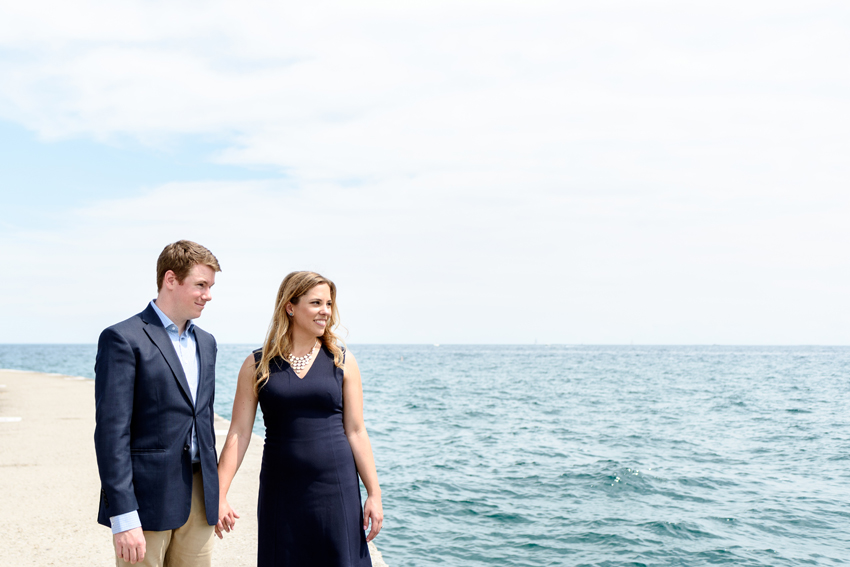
{"x": 309, "y": 511}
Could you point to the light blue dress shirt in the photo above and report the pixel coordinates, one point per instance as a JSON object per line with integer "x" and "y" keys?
{"x": 186, "y": 348}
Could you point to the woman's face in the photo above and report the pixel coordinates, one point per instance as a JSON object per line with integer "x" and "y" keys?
{"x": 312, "y": 313}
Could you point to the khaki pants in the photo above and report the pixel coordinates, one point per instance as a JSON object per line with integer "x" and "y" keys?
{"x": 190, "y": 545}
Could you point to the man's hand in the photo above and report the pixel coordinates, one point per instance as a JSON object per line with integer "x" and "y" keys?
{"x": 130, "y": 545}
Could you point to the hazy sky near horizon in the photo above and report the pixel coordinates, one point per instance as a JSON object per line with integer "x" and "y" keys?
{"x": 649, "y": 172}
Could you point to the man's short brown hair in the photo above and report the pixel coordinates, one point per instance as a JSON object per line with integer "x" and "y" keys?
{"x": 179, "y": 257}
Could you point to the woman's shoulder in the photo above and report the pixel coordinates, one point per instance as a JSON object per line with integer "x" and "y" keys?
{"x": 253, "y": 359}
{"x": 348, "y": 360}
{"x": 257, "y": 355}
{"x": 276, "y": 364}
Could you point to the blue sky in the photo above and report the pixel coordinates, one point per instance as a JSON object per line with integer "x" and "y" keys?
{"x": 55, "y": 175}
{"x": 468, "y": 172}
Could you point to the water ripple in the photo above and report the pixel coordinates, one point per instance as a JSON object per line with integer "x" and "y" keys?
{"x": 593, "y": 456}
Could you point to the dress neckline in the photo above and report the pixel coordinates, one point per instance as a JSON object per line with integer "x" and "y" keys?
{"x": 312, "y": 364}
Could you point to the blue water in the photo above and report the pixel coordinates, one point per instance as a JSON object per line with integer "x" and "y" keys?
{"x": 593, "y": 455}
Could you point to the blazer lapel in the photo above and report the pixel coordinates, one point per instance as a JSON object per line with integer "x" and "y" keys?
{"x": 160, "y": 338}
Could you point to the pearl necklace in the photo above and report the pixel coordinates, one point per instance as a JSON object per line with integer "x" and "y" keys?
{"x": 298, "y": 363}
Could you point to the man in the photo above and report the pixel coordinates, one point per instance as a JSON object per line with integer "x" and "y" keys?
{"x": 154, "y": 439}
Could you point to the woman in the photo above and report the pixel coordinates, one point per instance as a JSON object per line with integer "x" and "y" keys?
{"x": 309, "y": 388}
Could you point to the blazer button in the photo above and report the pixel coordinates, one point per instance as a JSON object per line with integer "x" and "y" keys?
{"x": 185, "y": 447}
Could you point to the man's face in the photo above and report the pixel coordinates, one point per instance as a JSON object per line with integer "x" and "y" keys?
{"x": 192, "y": 294}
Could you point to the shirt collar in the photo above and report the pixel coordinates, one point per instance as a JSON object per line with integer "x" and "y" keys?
{"x": 166, "y": 322}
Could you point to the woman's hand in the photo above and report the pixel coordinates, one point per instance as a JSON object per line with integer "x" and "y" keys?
{"x": 373, "y": 510}
{"x": 226, "y": 518}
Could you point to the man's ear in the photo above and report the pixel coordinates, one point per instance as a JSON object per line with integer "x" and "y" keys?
{"x": 169, "y": 281}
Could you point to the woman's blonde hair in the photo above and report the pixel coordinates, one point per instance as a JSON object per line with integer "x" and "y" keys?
{"x": 278, "y": 343}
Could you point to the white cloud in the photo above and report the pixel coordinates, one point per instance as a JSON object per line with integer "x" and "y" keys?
{"x": 414, "y": 269}
{"x": 471, "y": 172}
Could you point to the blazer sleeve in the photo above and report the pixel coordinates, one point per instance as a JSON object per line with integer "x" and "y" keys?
{"x": 115, "y": 377}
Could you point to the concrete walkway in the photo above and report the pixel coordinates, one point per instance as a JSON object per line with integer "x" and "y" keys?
{"x": 49, "y": 486}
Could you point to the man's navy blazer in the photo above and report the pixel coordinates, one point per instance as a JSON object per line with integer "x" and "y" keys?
{"x": 144, "y": 415}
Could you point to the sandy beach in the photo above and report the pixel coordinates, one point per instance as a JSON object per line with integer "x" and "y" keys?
{"x": 49, "y": 485}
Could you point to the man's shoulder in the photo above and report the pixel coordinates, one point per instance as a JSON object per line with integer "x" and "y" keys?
{"x": 201, "y": 334}
{"x": 134, "y": 321}
{"x": 129, "y": 325}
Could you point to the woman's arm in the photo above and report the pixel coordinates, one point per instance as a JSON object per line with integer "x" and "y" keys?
{"x": 355, "y": 431}
{"x": 238, "y": 438}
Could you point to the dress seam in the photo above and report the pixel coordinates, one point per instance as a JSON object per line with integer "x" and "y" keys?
{"x": 336, "y": 472}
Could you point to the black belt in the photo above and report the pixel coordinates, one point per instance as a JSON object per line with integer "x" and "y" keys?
{"x": 196, "y": 467}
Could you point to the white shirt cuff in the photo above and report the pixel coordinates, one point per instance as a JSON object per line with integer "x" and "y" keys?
{"x": 125, "y": 522}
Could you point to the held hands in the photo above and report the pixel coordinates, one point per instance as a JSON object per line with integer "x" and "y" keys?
{"x": 226, "y": 518}
{"x": 373, "y": 510}
{"x": 130, "y": 545}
